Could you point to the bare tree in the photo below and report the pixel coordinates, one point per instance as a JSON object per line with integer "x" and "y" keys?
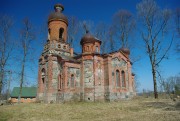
{"x": 101, "y": 32}
{"x": 155, "y": 22}
{"x": 26, "y": 37}
{"x": 73, "y": 28}
{"x": 111, "y": 38}
{"x": 86, "y": 26}
{"x": 168, "y": 85}
{"x": 6, "y": 46}
{"x": 137, "y": 83}
{"x": 177, "y": 20}
{"x": 124, "y": 22}
{"x": 43, "y": 30}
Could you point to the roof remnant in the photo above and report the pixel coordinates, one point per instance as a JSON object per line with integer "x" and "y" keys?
{"x": 26, "y": 92}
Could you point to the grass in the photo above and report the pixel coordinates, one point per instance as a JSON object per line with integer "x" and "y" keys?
{"x": 141, "y": 109}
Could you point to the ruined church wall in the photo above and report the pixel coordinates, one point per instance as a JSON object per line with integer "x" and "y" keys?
{"x": 72, "y": 89}
{"x": 120, "y": 63}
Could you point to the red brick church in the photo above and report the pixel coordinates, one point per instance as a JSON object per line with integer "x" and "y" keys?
{"x": 89, "y": 76}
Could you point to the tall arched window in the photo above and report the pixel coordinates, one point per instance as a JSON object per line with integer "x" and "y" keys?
{"x": 117, "y": 78}
{"x": 61, "y": 30}
{"x": 87, "y": 48}
{"x": 43, "y": 75}
{"x": 123, "y": 78}
{"x": 59, "y": 82}
{"x": 72, "y": 80}
{"x": 97, "y": 49}
{"x": 49, "y": 32}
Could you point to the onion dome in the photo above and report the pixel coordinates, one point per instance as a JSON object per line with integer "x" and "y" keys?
{"x": 58, "y": 15}
{"x": 125, "y": 51}
{"x": 88, "y": 38}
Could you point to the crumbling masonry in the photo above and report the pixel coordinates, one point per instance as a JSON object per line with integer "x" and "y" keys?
{"x": 90, "y": 76}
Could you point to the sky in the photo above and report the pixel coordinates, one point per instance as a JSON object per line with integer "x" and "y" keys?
{"x": 96, "y": 10}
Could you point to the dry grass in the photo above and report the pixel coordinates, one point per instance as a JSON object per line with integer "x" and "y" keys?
{"x": 132, "y": 110}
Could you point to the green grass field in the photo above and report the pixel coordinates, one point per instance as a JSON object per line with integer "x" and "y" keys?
{"x": 140, "y": 109}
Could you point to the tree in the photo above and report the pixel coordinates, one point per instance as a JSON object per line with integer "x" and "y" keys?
{"x": 177, "y": 85}
{"x": 26, "y": 37}
{"x": 111, "y": 35}
{"x": 124, "y": 23}
{"x": 6, "y": 46}
{"x": 137, "y": 83}
{"x": 177, "y": 20}
{"x": 101, "y": 32}
{"x": 168, "y": 85}
{"x": 155, "y": 23}
{"x": 73, "y": 28}
{"x": 86, "y": 26}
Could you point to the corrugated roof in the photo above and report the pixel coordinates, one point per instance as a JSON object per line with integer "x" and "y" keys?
{"x": 26, "y": 92}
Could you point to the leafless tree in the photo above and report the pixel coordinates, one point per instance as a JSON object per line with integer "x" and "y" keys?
{"x": 6, "y": 46}
{"x": 177, "y": 20}
{"x": 73, "y": 29}
{"x": 42, "y": 33}
{"x": 101, "y": 32}
{"x": 168, "y": 85}
{"x": 87, "y": 26}
{"x": 27, "y": 35}
{"x": 111, "y": 35}
{"x": 155, "y": 23}
{"x": 124, "y": 22}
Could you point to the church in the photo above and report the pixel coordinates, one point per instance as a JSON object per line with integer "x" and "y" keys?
{"x": 90, "y": 76}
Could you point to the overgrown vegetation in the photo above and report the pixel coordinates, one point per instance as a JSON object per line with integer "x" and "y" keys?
{"x": 139, "y": 109}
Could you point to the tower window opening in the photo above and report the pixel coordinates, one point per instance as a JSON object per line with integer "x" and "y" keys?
{"x": 64, "y": 47}
{"x": 49, "y": 32}
{"x": 59, "y": 46}
{"x": 61, "y": 30}
{"x": 84, "y": 49}
{"x": 43, "y": 75}
{"x": 87, "y": 48}
{"x": 97, "y": 49}
{"x": 43, "y": 80}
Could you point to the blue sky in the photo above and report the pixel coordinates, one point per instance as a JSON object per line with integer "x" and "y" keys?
{"x": 96, "y": 10}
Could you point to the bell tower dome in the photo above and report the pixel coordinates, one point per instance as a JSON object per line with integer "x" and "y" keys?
{"x": 90, "y": 44}
{"x": 57, "y": 24}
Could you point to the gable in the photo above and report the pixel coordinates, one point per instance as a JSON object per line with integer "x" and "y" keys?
{"x": 116, "y": 62}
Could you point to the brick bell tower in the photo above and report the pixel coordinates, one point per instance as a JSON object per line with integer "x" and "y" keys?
{"x": 55, "y": 49}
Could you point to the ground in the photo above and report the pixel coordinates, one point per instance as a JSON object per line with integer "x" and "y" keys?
{"x": 139, "y": 109}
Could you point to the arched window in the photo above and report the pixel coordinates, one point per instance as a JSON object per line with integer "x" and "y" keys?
{"x": 59, "y": 46}
{"x": 61, "y": 30}
{"x": 87, "y": 48}
{"x": 49, "y": 32}
{"x": 59, "y": 82}
{"x": 72, "y": 80}
{"x": 123, "y": 78}
{"x": 64, "y": 47}
{"x": 43, "y": 75}
{"x": 117, "y": 78}
{"x": 84, "y": 49}
{"x": 113, "y": 79}
{"x": 97, "y": 49}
